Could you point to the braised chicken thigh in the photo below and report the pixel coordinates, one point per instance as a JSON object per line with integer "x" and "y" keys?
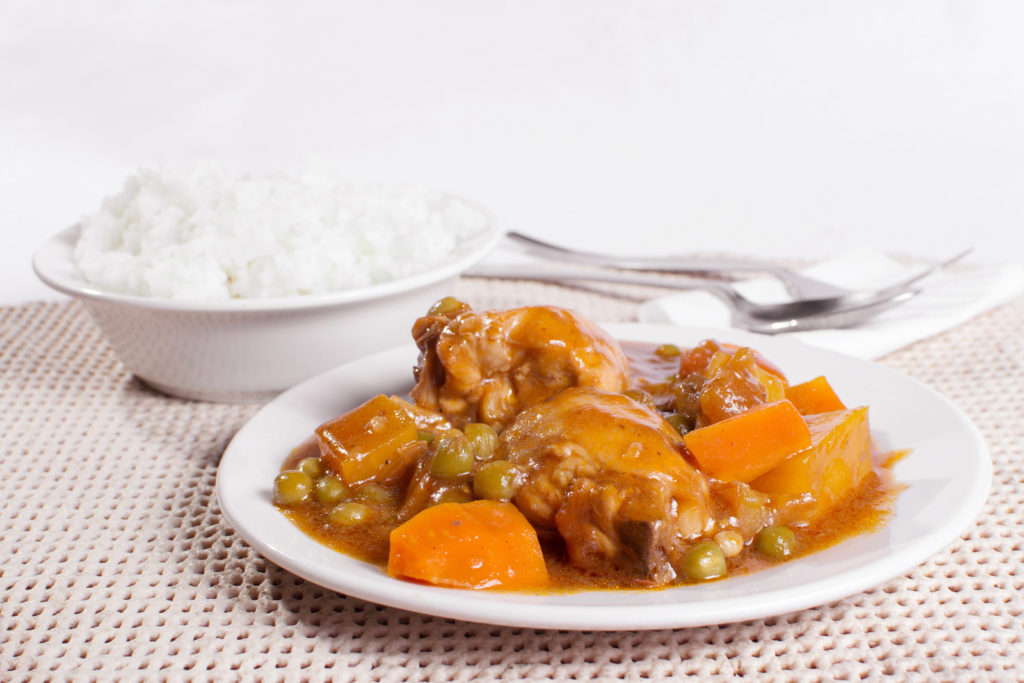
{"x": 606, "y": 472}
{"x": 487, "y": 366}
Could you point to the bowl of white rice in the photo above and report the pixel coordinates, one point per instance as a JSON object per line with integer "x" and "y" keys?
{"x": 227, "y": 287}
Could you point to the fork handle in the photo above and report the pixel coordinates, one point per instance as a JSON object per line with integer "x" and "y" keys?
{"x": 794, "y": 282}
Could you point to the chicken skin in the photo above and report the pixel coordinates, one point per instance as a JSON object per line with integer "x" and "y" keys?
{"x": 605, "y": 472}
{"x": 488, "y": 366}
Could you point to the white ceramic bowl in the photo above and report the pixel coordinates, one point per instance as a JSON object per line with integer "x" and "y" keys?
{"x": 247, "y": 350}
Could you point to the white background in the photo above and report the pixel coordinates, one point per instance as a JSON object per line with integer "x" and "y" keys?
{"x": 788, "y": 129}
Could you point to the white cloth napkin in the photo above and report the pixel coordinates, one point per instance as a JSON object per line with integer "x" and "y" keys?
{"x": 948, "y": 298}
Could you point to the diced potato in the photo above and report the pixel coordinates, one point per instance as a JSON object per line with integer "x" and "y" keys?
{"x": 834, "y": 465}
{"x": 374, "y": 442}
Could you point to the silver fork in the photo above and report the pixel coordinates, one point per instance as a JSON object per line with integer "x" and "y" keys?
{"x": 800, "y": 286}
{"x": 844, "y": 310}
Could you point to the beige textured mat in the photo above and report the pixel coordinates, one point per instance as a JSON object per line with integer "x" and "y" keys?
{"x": 115, "y": 563}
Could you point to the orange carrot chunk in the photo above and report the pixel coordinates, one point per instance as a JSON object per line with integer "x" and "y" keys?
{"x": 743, "y": 447}
{"x": 483, "y": 544}
{"x": 813, "y": 397}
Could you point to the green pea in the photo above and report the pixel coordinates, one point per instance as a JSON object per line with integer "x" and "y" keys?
{"x": 453, "y": 458}
{"x": 482, "y": 439}
{"x": 705, "y": 561}
{"x": 776, "y": 542}
{"x": 448, "y": 304}
{"x": 349, "y": 514}
{"x": 375, "y": 494}
{"x": 668, "y": 350}
{"x": 329, "y": 489}
{"x": 422, "y": 435}
{"x": 311, "y": 466}
{"x": 292, "y": 487}
{"x": 496, "y": 480}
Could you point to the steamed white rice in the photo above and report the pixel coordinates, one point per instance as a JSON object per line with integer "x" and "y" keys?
{"x": 202, "y": 234}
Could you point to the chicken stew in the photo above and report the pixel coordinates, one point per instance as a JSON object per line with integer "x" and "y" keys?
{"x": 535, "y": 452}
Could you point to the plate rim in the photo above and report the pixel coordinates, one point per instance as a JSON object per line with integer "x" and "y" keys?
{"x": 482, "y": 607}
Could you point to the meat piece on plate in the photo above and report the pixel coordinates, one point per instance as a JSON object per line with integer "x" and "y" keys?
{"x": 606, "y": 473}
{"x": 488, "y": 366}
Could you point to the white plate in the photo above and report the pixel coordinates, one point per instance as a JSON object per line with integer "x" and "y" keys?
{"x": 947, "y": 473}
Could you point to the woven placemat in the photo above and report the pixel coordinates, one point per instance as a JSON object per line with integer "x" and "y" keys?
{"x": 115, "y": 562}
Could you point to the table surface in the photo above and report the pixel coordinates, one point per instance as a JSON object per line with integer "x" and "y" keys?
{"x": 117, "y": 563}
